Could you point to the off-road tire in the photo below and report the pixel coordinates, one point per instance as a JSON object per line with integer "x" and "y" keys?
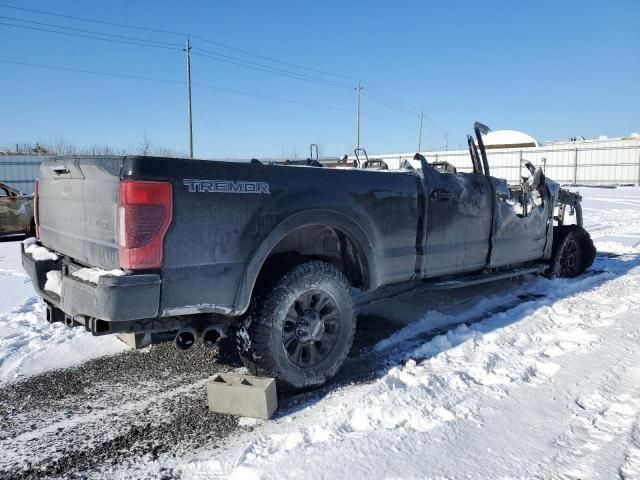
{"x": 262, "y": 337}
{"x": 572, "y": 253}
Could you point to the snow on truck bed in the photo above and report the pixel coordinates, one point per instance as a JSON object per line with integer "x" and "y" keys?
{"x": 549, "y": 387}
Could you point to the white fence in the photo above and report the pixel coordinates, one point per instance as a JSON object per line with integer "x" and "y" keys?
{"x": 579, "y": 163}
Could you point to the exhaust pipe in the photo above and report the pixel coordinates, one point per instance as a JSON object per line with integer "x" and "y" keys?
{"x": 185, "y": 339}
{"x": 211, "y": 336}
{"x": 54, "y": 314}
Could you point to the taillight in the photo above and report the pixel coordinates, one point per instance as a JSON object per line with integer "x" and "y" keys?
{"x": 36, "y": 209}
{"x": 144, "y": 215}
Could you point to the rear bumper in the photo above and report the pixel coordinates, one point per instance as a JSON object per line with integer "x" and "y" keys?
{"x": 113, "y": 299}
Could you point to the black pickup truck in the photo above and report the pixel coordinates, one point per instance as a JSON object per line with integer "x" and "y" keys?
{"x": 144, "y": 244}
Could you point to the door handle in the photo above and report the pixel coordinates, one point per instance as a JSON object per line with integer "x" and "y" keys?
{"x": 441, "y": 194}
{"x": 61, "y": 170}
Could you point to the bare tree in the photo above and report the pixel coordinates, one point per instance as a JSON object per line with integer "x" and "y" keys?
{"x": 144, "y": 147}
{"x": 62, "y": 147}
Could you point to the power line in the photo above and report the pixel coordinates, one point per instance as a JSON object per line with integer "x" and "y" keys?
{"x": 211, "y": 55}
{"x": 382, "y": 97}
{"x": 270, "y": 59}
{"x": 182, "y": 34}
{"x": 111, "y": 40}
{"x": 375, "y": 94}
{"x": 269, "y": 97}
{"x": 83, "y": 19}
{"x": 265, "y": 68}
{"x": 335, "y": 82}
{"x": 434, "y": 124}
{"x": 390, "y": 105}
{"x": 391, "y": 98}
{"x": 94, "y": 72}
{"x": 172, "y": 46}
{"x": 125, "y": 37}
{"x": 177, "y": 82}
{"x": 393, "y": 102}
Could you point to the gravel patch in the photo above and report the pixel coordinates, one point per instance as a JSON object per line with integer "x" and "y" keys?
{"x": 115, "y": 413}
{"x": 111, "y": 411}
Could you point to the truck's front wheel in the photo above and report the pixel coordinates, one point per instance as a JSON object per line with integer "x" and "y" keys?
{"x": 573, "y": 251}
{"x": 300, "y": 330}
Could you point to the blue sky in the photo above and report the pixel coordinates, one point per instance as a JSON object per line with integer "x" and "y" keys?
{"x": 553, "y": 69}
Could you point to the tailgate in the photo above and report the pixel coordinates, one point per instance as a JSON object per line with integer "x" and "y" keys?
{"x": 77, "y": 203}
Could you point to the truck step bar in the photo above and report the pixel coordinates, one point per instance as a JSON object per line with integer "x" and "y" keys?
{"x": 467, "y": 280}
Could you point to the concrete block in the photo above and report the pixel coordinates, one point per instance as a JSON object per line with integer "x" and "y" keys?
{"x": 242, "y": 395}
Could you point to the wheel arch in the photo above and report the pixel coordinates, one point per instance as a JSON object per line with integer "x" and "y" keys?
{"x": 352, "y": 242}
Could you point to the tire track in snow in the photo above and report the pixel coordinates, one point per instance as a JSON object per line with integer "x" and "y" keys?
{"x": 630, "y": 469}
{"x": 13, "y": 273}
{"x": 602, "y": 416}
{"x": 449, "y": 376}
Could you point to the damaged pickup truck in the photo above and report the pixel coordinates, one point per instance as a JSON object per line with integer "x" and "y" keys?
{"x": 142, "y": 244}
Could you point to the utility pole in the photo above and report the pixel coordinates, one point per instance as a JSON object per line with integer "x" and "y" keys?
{"x": 420, "y": 132}
{"x": 188, "y": 50}
{"x": 358, "y": 89}
{"x": 446, "y": 140}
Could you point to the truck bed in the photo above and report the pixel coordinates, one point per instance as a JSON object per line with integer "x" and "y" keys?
{"x": 226, "y": 218}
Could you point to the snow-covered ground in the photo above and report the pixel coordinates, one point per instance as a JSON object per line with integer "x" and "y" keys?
{"x": 28, "y": 345}
{"x": 543, "y": 381}
{"x": 547, "y": 389}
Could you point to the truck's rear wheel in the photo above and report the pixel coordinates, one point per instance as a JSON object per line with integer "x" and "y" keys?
{"x": 573, "y": 251}
{"x": 301, "y": 329}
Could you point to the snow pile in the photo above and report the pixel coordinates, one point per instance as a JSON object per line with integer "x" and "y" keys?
{"x": 92, "y": 275}
{"x": 54, "y": 282}
{"x": 37, "y": 252}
